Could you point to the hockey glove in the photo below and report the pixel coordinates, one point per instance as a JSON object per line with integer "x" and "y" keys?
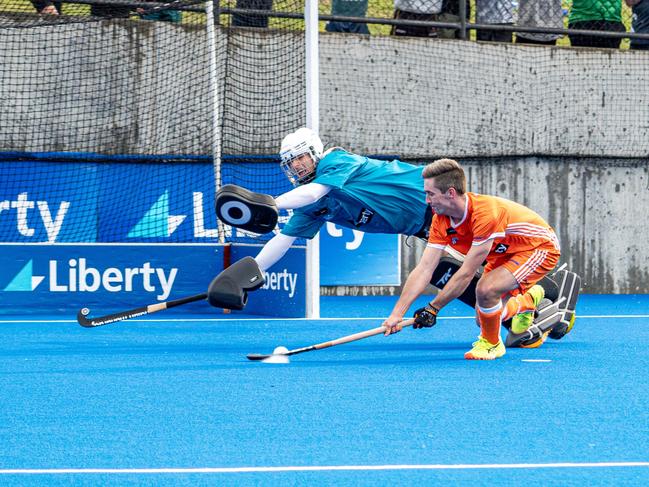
{"x": 425, "y": 317}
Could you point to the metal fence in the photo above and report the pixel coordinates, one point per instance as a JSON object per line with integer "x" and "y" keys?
{"x": 582, "y": 23}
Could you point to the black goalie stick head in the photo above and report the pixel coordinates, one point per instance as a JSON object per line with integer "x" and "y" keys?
{"x": 86, "y": 322}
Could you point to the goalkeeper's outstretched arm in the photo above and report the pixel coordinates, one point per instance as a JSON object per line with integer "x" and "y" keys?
{"x": 302, "y": 196}
{"x": 280, "y": 243}
{"x": 273, "y": 250}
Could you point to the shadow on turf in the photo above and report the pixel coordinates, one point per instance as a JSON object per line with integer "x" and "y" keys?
{"x": 117, "y": 345}
{"x": 383, "y": 354}
{"x": 109, "y": 355}
{"x": 375, "y": 361}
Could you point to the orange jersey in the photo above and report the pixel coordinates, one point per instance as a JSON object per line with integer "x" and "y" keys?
{"x": 512, "y": 228}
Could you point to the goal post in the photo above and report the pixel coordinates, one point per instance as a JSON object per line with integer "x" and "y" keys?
{"x": 312, "y": 122}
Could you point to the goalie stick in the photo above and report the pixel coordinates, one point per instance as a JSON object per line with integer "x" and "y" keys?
{"x": 87, "y": 322}
{"x": 228, "y": 290}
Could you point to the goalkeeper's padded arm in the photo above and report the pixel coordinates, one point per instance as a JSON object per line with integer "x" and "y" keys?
{"x": 302, "y": 196}
{"x": 274, "y": 250}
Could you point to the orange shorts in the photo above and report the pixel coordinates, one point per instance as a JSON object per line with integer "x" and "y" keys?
{"x": 528, "y": 267}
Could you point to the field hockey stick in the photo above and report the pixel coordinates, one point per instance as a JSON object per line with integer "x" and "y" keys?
{"x": 87, "y": 322}
{"x": 331, "y": 343}
{"x": 227, "y": 290}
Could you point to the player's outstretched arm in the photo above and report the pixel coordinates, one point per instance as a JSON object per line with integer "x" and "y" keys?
{"x": 302, "y": 196}
{"x": 273, "y": 250}
{"x": 414, "y": 286}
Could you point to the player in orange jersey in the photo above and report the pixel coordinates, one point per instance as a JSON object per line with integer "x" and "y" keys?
{"x": 519, "y": 248}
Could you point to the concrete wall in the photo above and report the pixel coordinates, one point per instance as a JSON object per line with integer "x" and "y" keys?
{"x": 420, "y": 98}
{"x": 140, "y": 87}
{"x": 598, "y": 207}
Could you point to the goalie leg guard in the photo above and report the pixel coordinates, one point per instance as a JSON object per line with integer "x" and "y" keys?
{"x": 547, "y": 316}
{"x": 240, "y": 208}
{"x": 554, "y": 319}
{"x": 569, "y": 286}
{"x": 230, "y": 288}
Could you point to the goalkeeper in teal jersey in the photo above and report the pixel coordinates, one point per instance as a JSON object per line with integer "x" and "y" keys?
{"x": 346, "y": 189}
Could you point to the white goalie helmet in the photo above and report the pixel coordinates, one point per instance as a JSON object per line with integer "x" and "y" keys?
{"x": 298, "y": 169}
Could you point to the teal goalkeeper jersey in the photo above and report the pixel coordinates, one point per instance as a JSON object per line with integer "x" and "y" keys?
{"x": 367, "y": 194}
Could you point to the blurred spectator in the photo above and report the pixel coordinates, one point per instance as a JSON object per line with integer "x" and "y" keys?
{"x": 115, "y": 11}
{"x": 55, "y": 8}
{"x": 159, "y": 14}
{"x": 640, "y": 22}
{"x": 47, "y": 7}
{"x": 451, "y": 13}
{"x": 498, "y": 12}
{"x": 245, "y": 20}
{"x": 110, "y": 11}
{"x": 424, "y": 10}
{"x": 604, "y": 15}
{"x": 539, "y": 13}
{"x": 348, "y": 8}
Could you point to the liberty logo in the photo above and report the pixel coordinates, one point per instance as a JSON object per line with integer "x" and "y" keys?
{"x": 336, "y": 232}
{"x": 157, "y": 222}
{"x": 78, "y": 276}
{"x": 26, "y": 216}
{"x": 25, "y": 280}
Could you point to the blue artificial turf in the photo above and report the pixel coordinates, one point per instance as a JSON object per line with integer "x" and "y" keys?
{"x": 147, "y": 394}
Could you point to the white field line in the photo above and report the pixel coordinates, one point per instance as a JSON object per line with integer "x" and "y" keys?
{"x": 315, "y": 468}
{"x": 367, "y": 318}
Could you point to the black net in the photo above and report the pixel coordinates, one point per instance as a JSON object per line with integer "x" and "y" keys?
{"x": 110, "y": 124}
{"x": 413, "y": 88}
{"x": 111, "y": 130}
{"x": 264, "y": 94}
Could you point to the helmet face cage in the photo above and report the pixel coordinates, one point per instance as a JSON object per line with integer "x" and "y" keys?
{"x": 299, "y": 175}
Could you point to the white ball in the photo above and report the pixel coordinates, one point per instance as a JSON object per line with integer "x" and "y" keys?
{"x": 276, "y": 359}
{"x": 280, "y": 351}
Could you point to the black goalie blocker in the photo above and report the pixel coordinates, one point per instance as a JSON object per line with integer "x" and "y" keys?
{"x": 230, "y": 288}
{"x": 240, "y": 208}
